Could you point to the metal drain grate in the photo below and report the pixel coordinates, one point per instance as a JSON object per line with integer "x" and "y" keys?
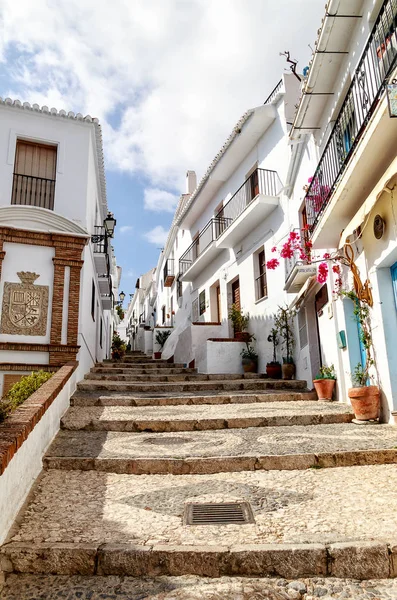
{"x": 237, "y": 513}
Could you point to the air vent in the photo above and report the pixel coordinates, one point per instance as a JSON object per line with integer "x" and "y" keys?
{"x": 230, "y": 513}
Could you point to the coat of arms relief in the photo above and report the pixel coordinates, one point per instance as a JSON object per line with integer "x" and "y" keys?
{"x": 25, "y": 306}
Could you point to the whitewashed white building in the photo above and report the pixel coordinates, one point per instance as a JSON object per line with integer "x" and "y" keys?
{"x": 57, "y": 280}
{"x": 349, "y": 169}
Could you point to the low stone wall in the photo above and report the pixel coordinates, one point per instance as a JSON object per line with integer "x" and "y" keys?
{"x": 24, "y": 437}
{"x": 224, "y": 356}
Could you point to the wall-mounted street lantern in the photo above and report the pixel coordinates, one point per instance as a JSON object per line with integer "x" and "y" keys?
{"x": 391, "y": 91}
{"x": 121, "y": 299}
{"x": 109, "y": 224}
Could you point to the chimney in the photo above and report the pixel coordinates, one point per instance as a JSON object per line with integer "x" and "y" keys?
{"x": 191, "y": 182}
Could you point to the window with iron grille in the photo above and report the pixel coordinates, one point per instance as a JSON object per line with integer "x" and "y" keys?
{"x": 261, "y": 280}
{"x": 93, "y": 301}
{"x": 179, "y": 287}
{"x": 163, "y": 315}
{"x": 34, "y": 175}
{"x": 202, "y": 302}
{"x": 303, "y": 339}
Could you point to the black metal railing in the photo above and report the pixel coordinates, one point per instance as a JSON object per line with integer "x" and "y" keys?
{"x": 214, "y": 228}
{"x": 371, "y": 75}
{"x": 100, "y": 240}
{"x": 142, "y": 318}
{"x": 33, "y": 191}
{"x": 261, "y": 286}
{"x": 261, "y": 181}
{"x": 169, "y": 268}
{"x": 274, "y": 92}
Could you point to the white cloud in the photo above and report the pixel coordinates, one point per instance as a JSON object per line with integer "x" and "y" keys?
{"x": 168, "y": 80}
{"x": 125, "y": 228}
{"x": 130, "y": 273}
{"x": 159, "y": 200}
{"x": 157, "y": 235}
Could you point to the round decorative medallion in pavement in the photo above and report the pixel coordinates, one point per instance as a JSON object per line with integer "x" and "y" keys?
{"x": 167, "y": 441}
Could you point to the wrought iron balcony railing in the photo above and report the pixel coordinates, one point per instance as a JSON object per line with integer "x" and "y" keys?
{"x": 169, "y": 272}
{"x": 214, "y": 228}
{"x": 274, "y": 92}
{"x": 261, "y": 181}
{"x": 33, "y": 191}
{"x": 376, "y": 64}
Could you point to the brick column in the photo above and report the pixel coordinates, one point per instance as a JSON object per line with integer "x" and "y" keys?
{"x": 57, "y": 299}
{"x": 74, "y": 302}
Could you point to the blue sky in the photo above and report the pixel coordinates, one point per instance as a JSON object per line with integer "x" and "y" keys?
{"x": 168, "y": 80}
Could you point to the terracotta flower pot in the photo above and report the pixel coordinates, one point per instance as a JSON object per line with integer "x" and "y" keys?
{"x": 324, "y": 388}
{"x": 250, "y": 365}
{"x": 288, "y": 370}
{"x": 273, "y": 370}
{"x": 365, "y": 402}
{"x": 157, "y": 355}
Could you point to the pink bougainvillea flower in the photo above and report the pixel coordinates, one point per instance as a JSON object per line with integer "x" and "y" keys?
{"x": 293, "y": 236}
{"x": 286, "y": 251}
{"x": 272, "y": 264}
{"x": 274, "y": 249}
{"x": 322, "y": 272}
{"x": 336, "y": 268}
{"x": 305, "y": 228}
{"x": 327, "y": 256}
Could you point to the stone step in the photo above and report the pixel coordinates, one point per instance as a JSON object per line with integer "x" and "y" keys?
{"x": 186, "y": 399}
{"x": 163, "y": 377}
{"x": 196, "y": 418}
{"x": 230, "y": 450}
{"x": 191, "y": 587}
{"x": 305, "y": 525}
{"x": 191, "y": 386}
{"x": 144, "y": 365}
{"x": 135, "y": 360}
{"x": 168, "y": 370}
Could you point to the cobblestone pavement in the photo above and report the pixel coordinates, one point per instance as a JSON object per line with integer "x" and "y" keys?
{"x": 254, "y": 441}
{"x": 30, "y": 587}
{"x": 314, "y": 505}
{"x": 232, "y": 415}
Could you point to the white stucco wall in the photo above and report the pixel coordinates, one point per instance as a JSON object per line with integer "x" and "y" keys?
{"x": 26, "y": 464}
{"x": 224, "y": 357}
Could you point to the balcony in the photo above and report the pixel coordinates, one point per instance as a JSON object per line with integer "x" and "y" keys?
{"x": 347, "y": 170}
{"x": 297, "y": 272}
{"x": 203, "y": 249}
{"x": 100, "y": 249}
{"x": 106, "y": 300}
{"x": 104, "y": 285}
{"x": 253, "y": 202}
{"x": 33, "y": 191}
{"x": 169, "y": 272}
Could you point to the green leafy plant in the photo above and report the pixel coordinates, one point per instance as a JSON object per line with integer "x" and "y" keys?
{"x": 326, "y": 373}
{"x": 249, "y": 353}
{"x": 118, "y": 347}
{"x": 162, "y": 337}
{"x": 361, "y": 313}
{"x": 273, "y": 338}
{"x": 120, "y": 312}
{"x": 21, "y": 390}
{"x": 284, "y": 325}
{"x": 240, "y": 320}
{"x": 360, "y": 376}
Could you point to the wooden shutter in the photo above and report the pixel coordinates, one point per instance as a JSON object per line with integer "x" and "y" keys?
{"x": 236, "y": 294}
{"x": 34, "y": 175}
{"x": 262, "y": 280}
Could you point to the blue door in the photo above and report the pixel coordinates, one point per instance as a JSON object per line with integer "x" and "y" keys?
{"x": 363, "y": 353}
{"x": 393, "y": 270}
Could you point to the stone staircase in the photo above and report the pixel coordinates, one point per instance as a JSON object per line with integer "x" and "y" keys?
{"x": 144, "y": 439}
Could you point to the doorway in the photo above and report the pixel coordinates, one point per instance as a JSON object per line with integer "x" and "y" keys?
{"x": 236, "y": 293}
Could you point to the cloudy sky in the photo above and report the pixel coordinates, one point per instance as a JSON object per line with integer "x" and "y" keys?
{"x": 168, "y": 79}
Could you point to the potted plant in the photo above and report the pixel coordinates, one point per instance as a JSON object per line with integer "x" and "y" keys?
{"x": 249, "y": 358}
{"x": 325, "y": 382}
{"x": 161, "y": 338}
{"x": 118, "y": 347}
{"x": 240, "y": 323}
{"x": 365, "y": 399}
{"x": 284, "y": 325}
{"x": 273, "y": 368}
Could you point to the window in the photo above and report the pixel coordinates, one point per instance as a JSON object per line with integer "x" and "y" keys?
{"x": 163, "y": 314}
{"x": 100, "y": 333}
{"x": 179, "y": 287}
{"x": 195, "y": 314}
{"x": 261, "y": 280}
{"x": 93, "y": 301}
{"x": 34, "y": 175}
{"x": 303, "y": 340}
{"x": 172, "y": 311}
{"x": 321, "y": 298}
{"x": 202, "y": 302}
